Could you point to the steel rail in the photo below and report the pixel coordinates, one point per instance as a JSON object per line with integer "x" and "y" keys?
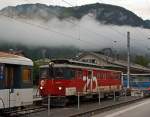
{"x": 25, "y": 111}
{"x": 92, "y": 112}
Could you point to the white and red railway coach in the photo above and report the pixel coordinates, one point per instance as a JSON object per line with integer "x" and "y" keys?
{"x": 66, "y": 78}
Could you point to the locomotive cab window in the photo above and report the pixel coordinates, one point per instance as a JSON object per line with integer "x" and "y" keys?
{"x": 44, "y": 73}
{"x": 64, "y": 73}
{"x": 59, "y": 72}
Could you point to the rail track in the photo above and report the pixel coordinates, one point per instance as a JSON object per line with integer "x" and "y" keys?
{"x": 92, "y": 112}
{"x": 25, "y": 111}
{"x": 74, "y": 111}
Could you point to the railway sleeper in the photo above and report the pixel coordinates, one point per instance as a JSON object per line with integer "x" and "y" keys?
{"x": 59, "y": 101}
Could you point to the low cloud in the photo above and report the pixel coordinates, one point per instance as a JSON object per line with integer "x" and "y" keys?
{"x": 86, "y": 34}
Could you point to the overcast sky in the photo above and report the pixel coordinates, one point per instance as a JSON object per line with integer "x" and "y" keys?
{"x": 140, "y": 7}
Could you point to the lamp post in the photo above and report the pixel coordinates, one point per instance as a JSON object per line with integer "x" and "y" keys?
{"x": 114, "y": 51}
{"x": 128, "y": 58}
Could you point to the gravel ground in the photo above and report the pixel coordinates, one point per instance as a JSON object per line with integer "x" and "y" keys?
{"x": 70, "y": 110}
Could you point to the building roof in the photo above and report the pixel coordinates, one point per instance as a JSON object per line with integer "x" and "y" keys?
{"x": 112, "y": 61}
{"x": 9, "y": 58}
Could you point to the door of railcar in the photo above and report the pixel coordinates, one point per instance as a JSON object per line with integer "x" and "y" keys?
{"x": 12, "y": 82}
{"x": 87, "y": 77}
{"x": 3, "y": 93}
{"x": 92, "y": 80}
{"x": 89, "y": 81}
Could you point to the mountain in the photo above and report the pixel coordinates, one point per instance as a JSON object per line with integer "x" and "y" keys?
{"x": 104, "y": 13}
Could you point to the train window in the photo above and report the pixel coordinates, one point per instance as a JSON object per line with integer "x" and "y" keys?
{"x": 26, "y": 74}
{"x": 79, "y": 74}
{"x": 12, "y": 76}
{"x": 1, "y": 76}
{"x": 104, "y": 75}
{"x": 99, "y": 75}
{"x": 117, "y": 76}
{"x": 44, "y": 73}
{"x": 70, "y": 73}
{"x": 108, "y": 75}
{"x": 8, "y": 77}
{"x": 58, "y": 72}
{"x": 64, "y": 73}
{"x": 1, "y": 71}
{"x": 96, "y": 75}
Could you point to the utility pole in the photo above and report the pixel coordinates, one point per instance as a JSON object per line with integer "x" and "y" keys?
{"x": 128, "y": 67}
{"x": 43, "y": 54}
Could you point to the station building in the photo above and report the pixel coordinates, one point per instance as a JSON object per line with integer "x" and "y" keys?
{"x": 111, "y": 63}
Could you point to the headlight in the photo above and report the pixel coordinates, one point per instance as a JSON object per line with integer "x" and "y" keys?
{"x": 41, "y": 88}
{"x": 42, "y": 83}
{"x": 60, "y": 88}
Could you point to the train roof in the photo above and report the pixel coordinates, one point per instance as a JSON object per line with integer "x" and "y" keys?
{"x": 9, "y": 58}
{"x": 75, "y": 64}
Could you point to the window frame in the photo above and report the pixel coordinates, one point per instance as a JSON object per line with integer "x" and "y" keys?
{"x": 29, "y": 83}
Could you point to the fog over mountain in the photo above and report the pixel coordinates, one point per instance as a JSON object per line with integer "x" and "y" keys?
{"x": 89, "y": 27}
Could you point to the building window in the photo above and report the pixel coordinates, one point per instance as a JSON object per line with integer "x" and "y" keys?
{"x": 93, "y": 60}
{"x": 85, "y": 60}
{"x": 89, "y": 60}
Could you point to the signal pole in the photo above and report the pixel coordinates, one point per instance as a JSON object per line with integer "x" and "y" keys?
{"x": 128, "y": 67}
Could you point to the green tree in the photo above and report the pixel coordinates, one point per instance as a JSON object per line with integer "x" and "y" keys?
{"x": 141, "y": 60}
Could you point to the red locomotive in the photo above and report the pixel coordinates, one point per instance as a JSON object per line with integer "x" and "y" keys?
{"x": 64, "y": 79}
